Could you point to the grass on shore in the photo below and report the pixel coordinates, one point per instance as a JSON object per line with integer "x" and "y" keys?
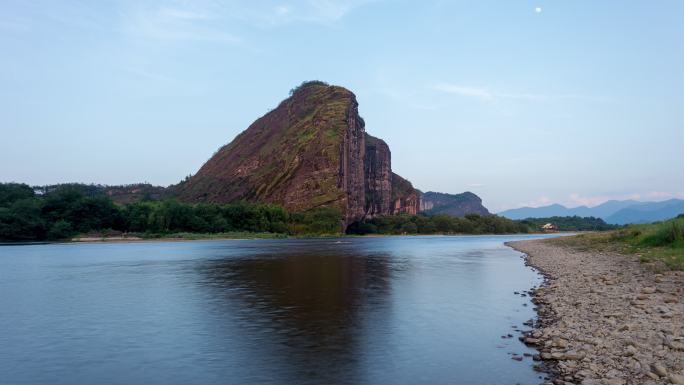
{"x": 661, "y": 242}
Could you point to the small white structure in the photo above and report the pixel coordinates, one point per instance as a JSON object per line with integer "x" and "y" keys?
{"x": 549, "y": 227}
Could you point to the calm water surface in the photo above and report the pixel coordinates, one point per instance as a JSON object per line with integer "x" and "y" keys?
{"x": 395, "y": 310}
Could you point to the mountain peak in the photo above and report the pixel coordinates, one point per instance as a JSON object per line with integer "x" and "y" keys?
{"x": 311, "y": 151}
{"x": 556, "y": 205}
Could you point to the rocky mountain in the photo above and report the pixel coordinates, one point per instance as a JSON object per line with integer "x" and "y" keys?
{"x": 311, "y": 151}
{"x": 613, "y": 212}
{"x": 458, "y": 205}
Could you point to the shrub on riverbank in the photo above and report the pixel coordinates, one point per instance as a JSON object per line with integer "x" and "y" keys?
{"x": 657, "y": 242}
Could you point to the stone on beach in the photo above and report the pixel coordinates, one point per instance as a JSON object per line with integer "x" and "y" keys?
{"x": 604, "y": 318}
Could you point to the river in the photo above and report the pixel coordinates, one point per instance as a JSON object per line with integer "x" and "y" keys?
{"x": 383, "y": 310}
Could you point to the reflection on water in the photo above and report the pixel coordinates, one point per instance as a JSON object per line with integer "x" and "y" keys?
{"x": 308, "y": 302}
{"x": 404, "y": 310}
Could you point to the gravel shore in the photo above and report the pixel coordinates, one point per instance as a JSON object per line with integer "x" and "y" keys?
{"x": 605, "y": 318}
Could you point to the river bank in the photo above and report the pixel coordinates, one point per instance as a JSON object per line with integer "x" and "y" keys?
{"x": 236, "y": 235}
{"x": 232, "y": 236}
{"x": 606, "y": 318}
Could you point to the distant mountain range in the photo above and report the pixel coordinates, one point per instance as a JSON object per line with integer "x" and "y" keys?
{"x": 613, "y": 212}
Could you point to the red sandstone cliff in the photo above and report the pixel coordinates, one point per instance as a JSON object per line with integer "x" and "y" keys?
{"x": 405, "y": 198}
{"x": 378, "y": 174}
{"x": 311, "y": 151}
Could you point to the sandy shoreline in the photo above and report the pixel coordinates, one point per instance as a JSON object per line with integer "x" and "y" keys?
{"x": 606, "y": 318}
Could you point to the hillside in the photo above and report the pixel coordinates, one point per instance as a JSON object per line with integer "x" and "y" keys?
{"x": 457, "y": 205}
{"x": 310, "y": 151}
{"x": 613, "y": 212}
{"x": 648, "y": 212}
{"x": 554, "y": 210}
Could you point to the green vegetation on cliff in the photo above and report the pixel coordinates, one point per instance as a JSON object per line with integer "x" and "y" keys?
{"x": 661, "y": 242}
{"x": 290, "y": 156}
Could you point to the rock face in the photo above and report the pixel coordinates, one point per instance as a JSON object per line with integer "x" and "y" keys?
{"x": 311, "y": 151}
{"x": 378, "y": 173}
{"x": 405, "y": 199}
{"x": 457, "y": 205}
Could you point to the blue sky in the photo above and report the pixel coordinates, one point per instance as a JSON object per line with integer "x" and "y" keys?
{"x": 578, "y": 103}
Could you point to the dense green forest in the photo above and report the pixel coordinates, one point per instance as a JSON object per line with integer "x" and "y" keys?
{"x": 68, "y": 210}
{"x": 570, "y": 223}
{"x": 65, "y": 211}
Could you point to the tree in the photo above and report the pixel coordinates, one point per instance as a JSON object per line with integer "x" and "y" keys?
{"x": 12, "y": 192}
{"x": 60, "y": 230}
{"x": 22, "y": 221}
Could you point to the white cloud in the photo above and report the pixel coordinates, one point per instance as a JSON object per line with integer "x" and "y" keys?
{"x": 663, "y": 195}
{"x": 212, "y": 21}
{"x": 489, "y": 95}
{"x": 180, "y": 14}
{"x": 15, "y": 25}
{"x": 334, "y": 9}
{"x": 177, "y": 23}
{"x": 269, "y": 14}
{"x": 595, "y": 200}
{"x": 575, "y": 199}
{"x": 141, "y": 72}
{"x": 540, "y": 201}
{"x": 479, "y": 93}
{"x": 388, "y": 86}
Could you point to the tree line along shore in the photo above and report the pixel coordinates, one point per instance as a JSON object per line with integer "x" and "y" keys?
{"x": 77, "y": 210}
{"x": 73, "y": 210}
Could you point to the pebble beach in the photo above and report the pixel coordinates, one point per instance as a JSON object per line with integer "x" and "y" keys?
{"x": 605, "y": 318}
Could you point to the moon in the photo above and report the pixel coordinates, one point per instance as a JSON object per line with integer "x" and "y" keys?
{"x": 538, "y": 10}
